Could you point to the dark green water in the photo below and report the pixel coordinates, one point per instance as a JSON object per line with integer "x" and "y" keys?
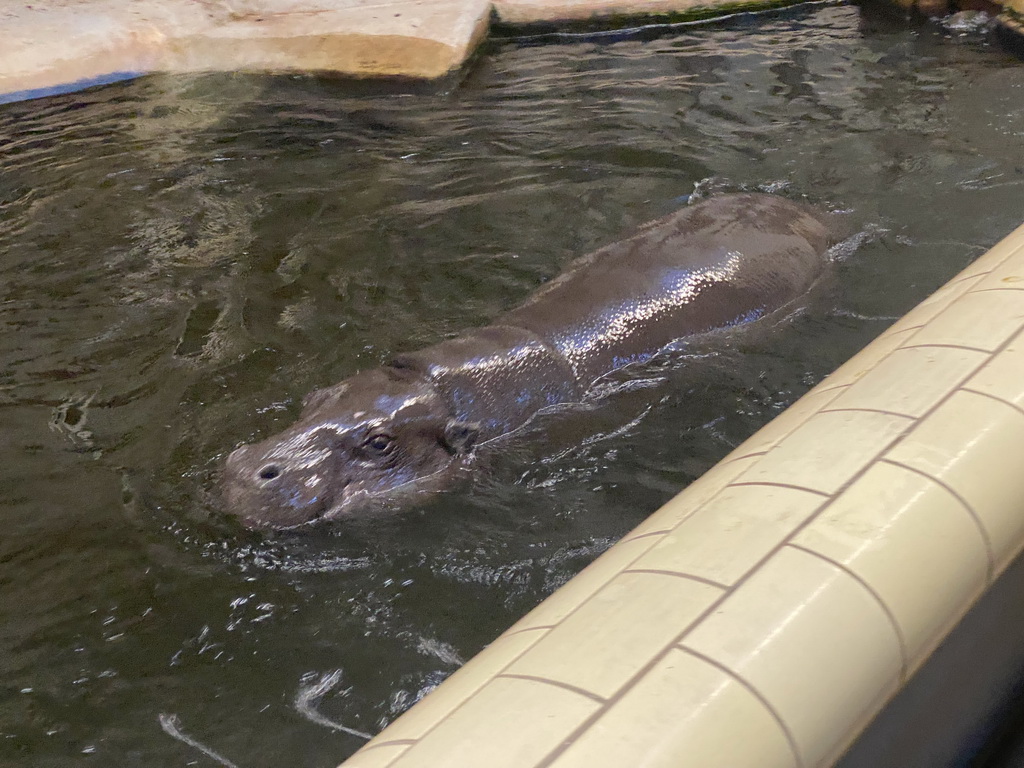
{"x": 182, "y": 259}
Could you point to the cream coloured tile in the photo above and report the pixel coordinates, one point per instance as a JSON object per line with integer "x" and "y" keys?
{"x": 912, "y": 542}
{"x": 1009, "y": 276}
{"x": 857, "y": 366}
{"x": 982, "y": 320}
{"x": 376, "y": 757}
{"x": 911, "y": 381}
{"x": 572, "y": 594}
{"x": 814, "y": 456}
{"x": 683, "y": 713}
{"x": 771, "y": 433}
{"x": 698, "y": 493}
{"x": 1003, "y": 375}
{"x": 454, "y": 691}
{"x": 977, "y": 268}
{"x": 971, "y": 443}
{"x": 510, "y": 723}
{"x": 1004, "y": 262}
{"x": 928, "y": 309}
{"x": 1008, "y": 247}
{"x": 812, "y": 641}
{"x": 615, "y": 633}
{"x": 732, "y": 533}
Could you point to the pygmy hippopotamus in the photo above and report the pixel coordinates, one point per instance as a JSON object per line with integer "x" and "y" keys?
{"x": 410, "y": 425}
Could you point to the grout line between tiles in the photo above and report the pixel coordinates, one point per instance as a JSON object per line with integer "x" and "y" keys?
{"x": 1014, "y": 250}
{"x": 389, "y": 743}
{"x": 827, "y": 389}
{"x": 901, "y": 641}
{"x": 927, "y": 345}
{"x": 528, "y": 629}
{"x": 750, "y": 455}
{"x": 557, "y": 683}
{"x": 678, "y": 575}
{"x": 867, "y": 410}
{"x": 956, "y": 298}
{"x": 998, "y": 399}
{"x": 662, "y": 532}
{"x": 901, "y": 331}
{"x": 472, "y": 695}
{"x": 790, "y": 739}
{"x": 960, "y": 279}
{"x": 770, "y": 484}
{"x": 989, "y": 551}
{"x": 996, "y": 289}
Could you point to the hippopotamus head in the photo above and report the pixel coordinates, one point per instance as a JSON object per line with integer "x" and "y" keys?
{"x": 379, "y": 434}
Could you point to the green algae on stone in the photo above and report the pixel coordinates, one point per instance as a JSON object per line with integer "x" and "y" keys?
{"x": 625, "y": 22}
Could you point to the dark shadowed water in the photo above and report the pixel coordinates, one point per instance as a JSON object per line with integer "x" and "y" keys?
{"x": 182, "y": 259}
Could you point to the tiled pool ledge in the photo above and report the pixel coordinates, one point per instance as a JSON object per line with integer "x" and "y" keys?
{"x": 766, "y": 614}
{"x": 60, "y": 45}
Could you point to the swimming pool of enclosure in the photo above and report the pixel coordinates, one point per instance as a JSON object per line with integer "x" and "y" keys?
{"x": 183, "y": 258}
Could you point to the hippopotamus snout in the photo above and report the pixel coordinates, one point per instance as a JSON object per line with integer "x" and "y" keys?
{"x": 271, "y": 488}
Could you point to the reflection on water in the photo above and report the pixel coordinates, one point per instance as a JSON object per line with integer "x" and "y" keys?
{"x": 182, "y": 259}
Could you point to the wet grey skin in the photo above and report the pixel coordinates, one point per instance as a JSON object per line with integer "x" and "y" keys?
{"x": 393, "y": 433}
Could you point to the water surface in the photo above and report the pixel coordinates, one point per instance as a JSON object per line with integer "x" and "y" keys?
{"x": 183, "y": 258}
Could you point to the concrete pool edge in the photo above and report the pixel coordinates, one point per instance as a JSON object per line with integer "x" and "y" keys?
{"x": 55, "y": 46}
{"x": 832, "y": 551}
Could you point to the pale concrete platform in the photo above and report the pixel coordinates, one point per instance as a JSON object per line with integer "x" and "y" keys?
{"x": 61, "y": 44}
{"x": 54, "y": 43}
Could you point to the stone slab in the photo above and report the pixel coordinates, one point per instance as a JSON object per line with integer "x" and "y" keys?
{"x": 59, "y": 45}
{"x": 53, "y": 43}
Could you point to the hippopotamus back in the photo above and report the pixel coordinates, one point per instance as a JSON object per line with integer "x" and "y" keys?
{"x": 727, "y": 261}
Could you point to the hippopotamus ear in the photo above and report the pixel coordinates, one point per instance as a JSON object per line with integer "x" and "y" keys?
{"x": 460, "y": 436}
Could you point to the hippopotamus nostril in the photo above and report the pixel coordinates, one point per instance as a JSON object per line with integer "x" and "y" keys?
{"x": 269, "y": 472}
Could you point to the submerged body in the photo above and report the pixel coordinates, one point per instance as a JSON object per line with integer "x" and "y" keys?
{"x": 412, "y": 424}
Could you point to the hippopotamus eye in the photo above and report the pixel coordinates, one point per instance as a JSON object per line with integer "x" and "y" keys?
{"x": 379, "y": 443}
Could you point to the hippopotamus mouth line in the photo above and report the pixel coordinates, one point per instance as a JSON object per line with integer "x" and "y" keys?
{"x": 324, "y": 505}
{"x": 333, "y": 504}
{"x": 337, "y": 510}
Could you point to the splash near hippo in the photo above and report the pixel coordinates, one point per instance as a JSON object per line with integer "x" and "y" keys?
{"x": 411, "y": 425}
